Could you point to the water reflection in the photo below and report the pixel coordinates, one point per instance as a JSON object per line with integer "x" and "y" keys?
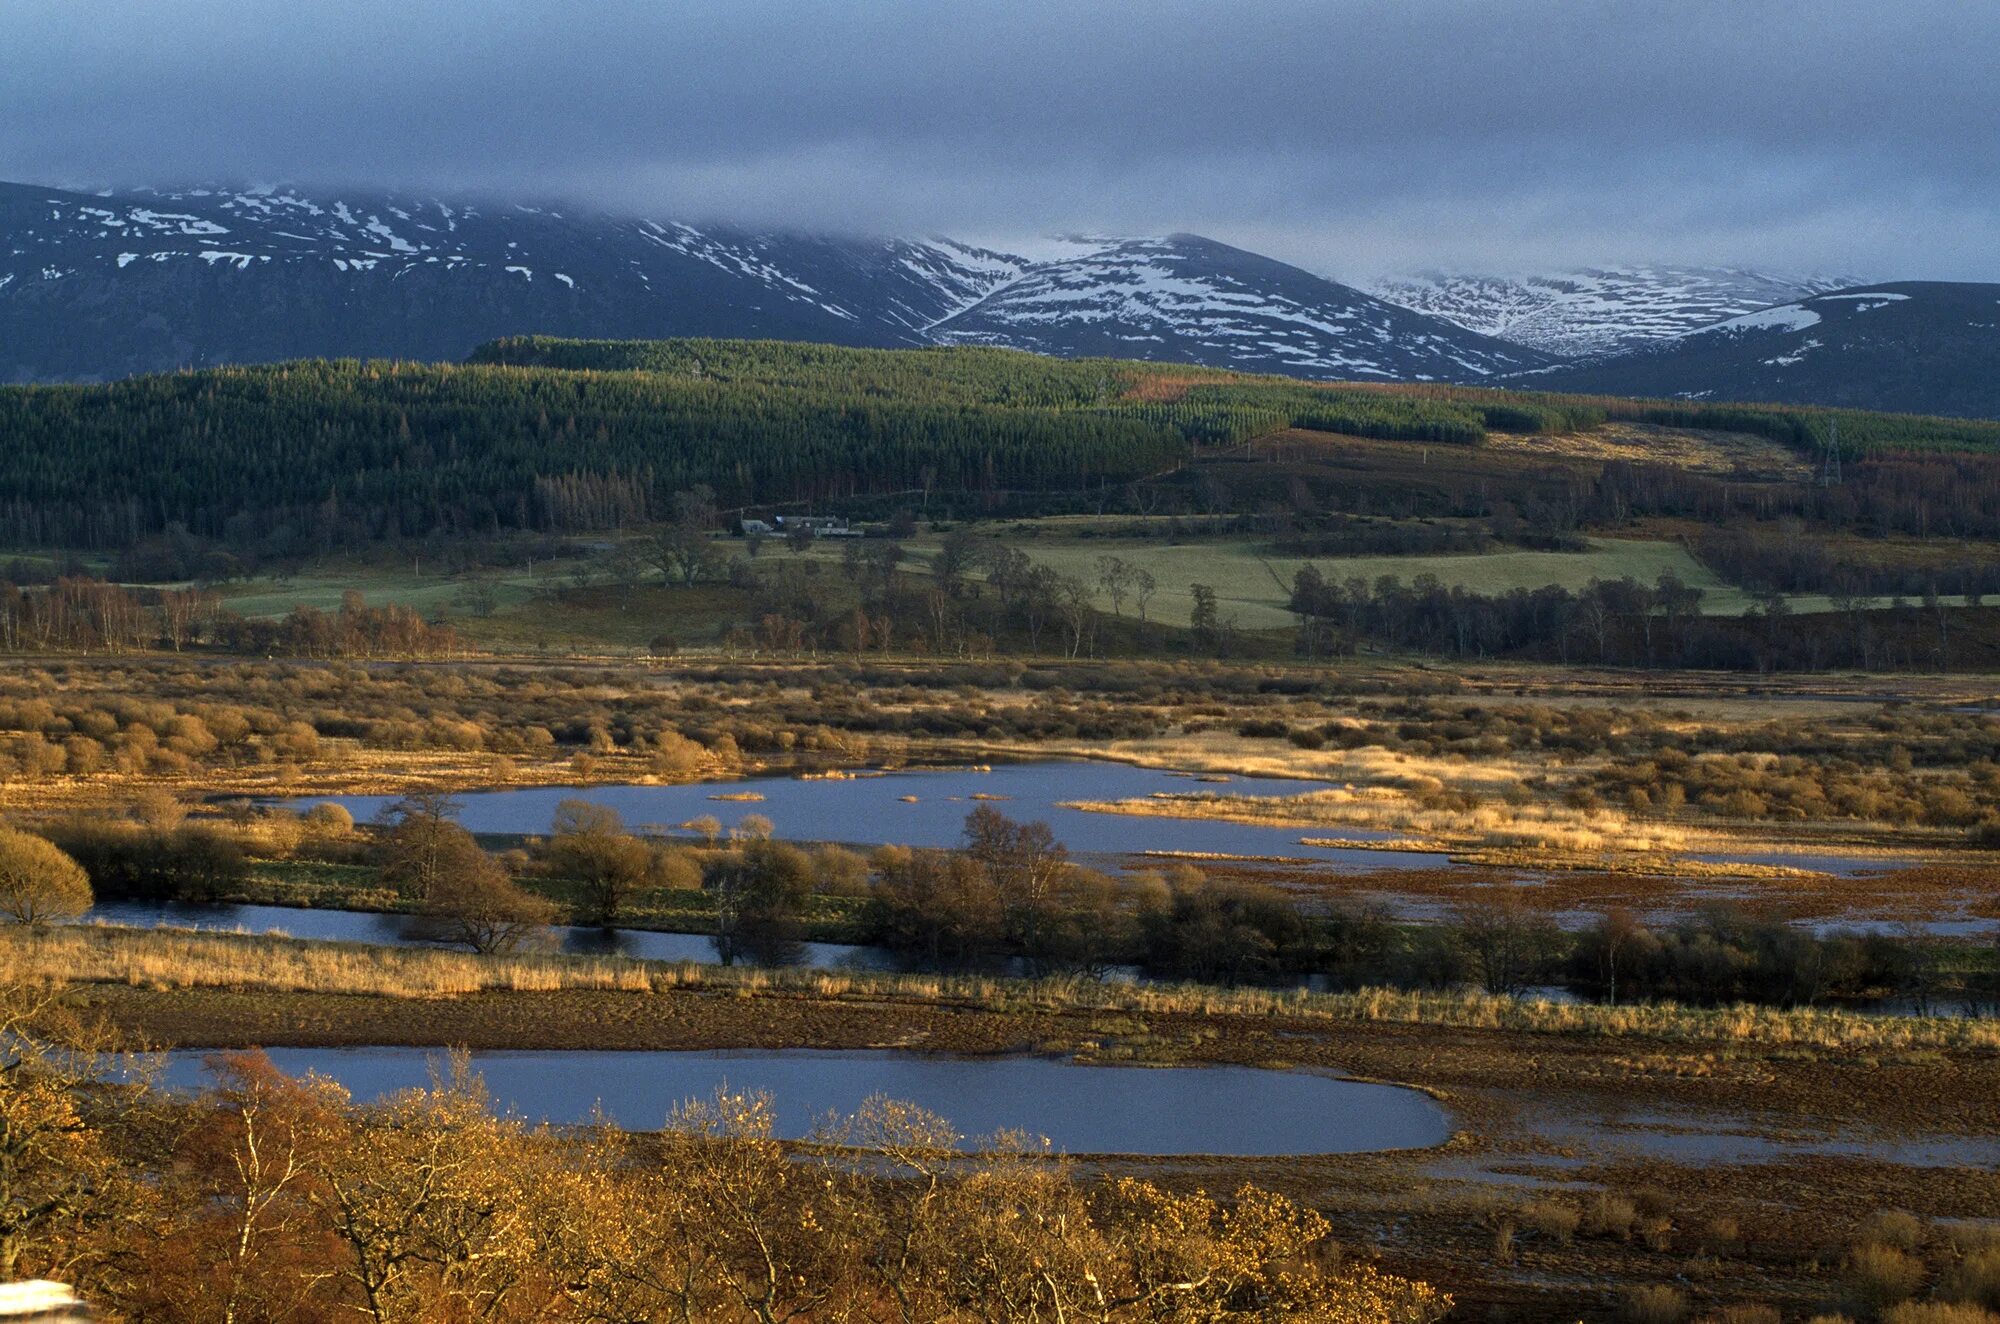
{"x": 1241, "y": 1111}
{"x": 927, "y": 807}
{"x": 398, "y": 931}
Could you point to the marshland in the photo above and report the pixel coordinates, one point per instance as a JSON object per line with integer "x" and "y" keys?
{"x": 1572, "y": 931}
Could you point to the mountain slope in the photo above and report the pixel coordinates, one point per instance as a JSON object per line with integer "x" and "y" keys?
{"x": 1598, "y": 310}
{"x": 1186, "y": 299}
{"x": 1915, "y": 346}
{"x": 98, "y": 287}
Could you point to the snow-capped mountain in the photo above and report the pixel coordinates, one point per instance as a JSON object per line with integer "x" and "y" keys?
{"x": 1187, "y": 299}
{"x": 1598, "y": 310}
{"x": 1916, "y": 346}
{"x": 100, "y": 286}
{"x": 103, "y": 286}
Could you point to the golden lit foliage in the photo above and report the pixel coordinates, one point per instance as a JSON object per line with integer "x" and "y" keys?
{"x": 267, "y": 1198}
{"x": 38, "y": 882}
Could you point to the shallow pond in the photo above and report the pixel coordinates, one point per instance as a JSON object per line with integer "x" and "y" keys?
{"x": 1732, "y": 1137}
{"x": 927, "y": 807}
{"x": 1238, "y": 1111}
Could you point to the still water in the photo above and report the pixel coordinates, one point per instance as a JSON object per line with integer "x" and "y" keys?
{"x": 1240, "y": 1111}
{"x": 927, "y": 807}
{"x": 396, "y": 931}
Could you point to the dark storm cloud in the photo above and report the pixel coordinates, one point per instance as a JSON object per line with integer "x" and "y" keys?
{"x": 1839, "y": 133}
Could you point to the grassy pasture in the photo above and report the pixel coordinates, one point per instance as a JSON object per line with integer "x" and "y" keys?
{"x": 1253, "y": 587}
{"x": 265, "y": 598}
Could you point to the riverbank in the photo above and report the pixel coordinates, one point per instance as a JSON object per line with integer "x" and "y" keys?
{"x": 185, "y": 961}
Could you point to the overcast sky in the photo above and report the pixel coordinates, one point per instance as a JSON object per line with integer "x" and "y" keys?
{"x": 1851, "y": 136}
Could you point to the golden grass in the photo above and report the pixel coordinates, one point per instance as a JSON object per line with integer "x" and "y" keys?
{"x": 180, "y": 959}
{"x": 1538, "y": 826}
{"x": 1386, "y": 792}
{"x": 1638, "y": 864}
{"x": 184, "y": 958}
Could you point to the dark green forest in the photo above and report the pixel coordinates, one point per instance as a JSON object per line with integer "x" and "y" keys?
{"x": 568, "y": 436}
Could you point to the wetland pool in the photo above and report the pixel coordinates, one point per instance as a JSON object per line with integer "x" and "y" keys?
{"x": 1080, "y": 1109}
{"x": 927, "y": 807}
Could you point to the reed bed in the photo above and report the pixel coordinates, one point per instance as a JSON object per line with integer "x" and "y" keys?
{"x": 184, "y": 959}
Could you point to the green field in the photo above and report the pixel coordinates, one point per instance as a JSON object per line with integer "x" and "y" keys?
{"x": 1254, "y": 587}
{"x": 1250, "y": 587}
{"x": 264, "y": 598}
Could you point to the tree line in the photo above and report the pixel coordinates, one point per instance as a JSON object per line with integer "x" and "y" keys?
{"x": 1623, "y": 622}
{"x": 86, "y": 615}
{"x": 1009, "y": 897}
{"x": 1782, "y": 560}
{"x": 1924, "y": 496}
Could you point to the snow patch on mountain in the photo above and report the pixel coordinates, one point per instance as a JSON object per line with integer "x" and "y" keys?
{"x": 1183, "y": 298}
{"x": 1788, "y": 317}
{"x": 901, "y": 284}
{"x": 1597, "y": 311}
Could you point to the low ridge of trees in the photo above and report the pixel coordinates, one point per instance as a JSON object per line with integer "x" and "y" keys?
{"x": 80, "y": 614}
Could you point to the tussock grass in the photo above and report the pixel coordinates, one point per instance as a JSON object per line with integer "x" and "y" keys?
{"x": 1974, "y": 1279}
{"x": 173, "y": 959}
{"x": 1881, "y": 1276}
{"x": 1652, "y": 1304}
{"x": 1939, "y": 1312}
{"x": 1892, "y": 1227}
{"x": 1424, "y": 799}
{"x": 1551, "y": 1219}
{"x": 1749, "y": 1312}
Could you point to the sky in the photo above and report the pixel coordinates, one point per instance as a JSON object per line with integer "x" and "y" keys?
{"x": 1856, "y": 137}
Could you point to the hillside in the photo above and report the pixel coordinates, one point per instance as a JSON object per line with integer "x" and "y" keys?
{"x": 1922, "y": 346}
{"x": 573, "y": 435}
{"x": 93, "y": 288}
{"x": 99, "y": 287}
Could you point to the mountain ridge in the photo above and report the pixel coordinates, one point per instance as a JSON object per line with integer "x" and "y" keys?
{"x": 106, "y": 285}
{"x": 1925, "y": 347}
{"x": 95, "y": 286}
{"x": 1188, "y": 298}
